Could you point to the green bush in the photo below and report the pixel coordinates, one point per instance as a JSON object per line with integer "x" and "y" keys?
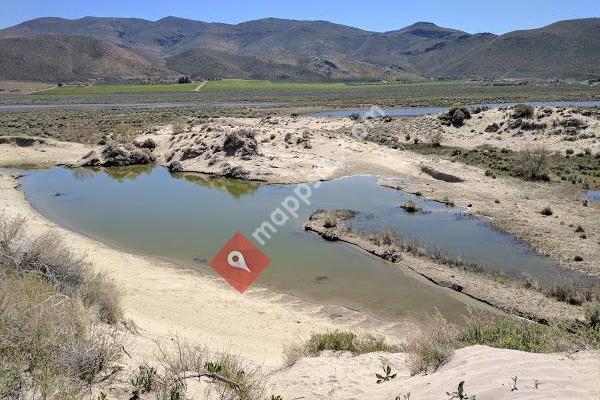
{"x": 336, "y": 341}
{"x": 522, "y": 111}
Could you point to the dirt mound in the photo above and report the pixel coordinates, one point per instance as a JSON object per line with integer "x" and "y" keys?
{"x": 118, "y": 155}
{"x": 213, "y": 146}
{"x": 240, "y": 143}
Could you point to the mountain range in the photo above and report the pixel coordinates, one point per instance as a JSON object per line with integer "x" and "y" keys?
{"x": 115, "y": 49}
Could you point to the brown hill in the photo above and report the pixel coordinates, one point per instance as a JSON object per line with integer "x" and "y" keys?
{"x": 280, "y": 49}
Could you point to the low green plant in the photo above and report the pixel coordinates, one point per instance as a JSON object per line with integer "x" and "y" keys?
{"x": 143, "y": 381}
{"x": 212, "y": 367}
{"x": 387, "y": 375}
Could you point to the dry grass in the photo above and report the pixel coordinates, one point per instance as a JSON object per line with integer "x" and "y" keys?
{"x": 46, "y": 257}
{"x": 52, "y": 344}
{"x": 336, "y": 341}
{"x": 232, "y": 378}
{"x": 179, "y": 126}
{"x": 431, "y": 345}
{"x": 436, "y": 339}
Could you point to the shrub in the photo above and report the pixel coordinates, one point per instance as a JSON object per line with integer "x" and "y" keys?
{"x": 436, "y": 139}
{"x": 411, "y": 207}
{"x": 547, "y": 211}
{"x": 592, "y": 315}
{"x": 235, "y": 379}
{"x": 565, "y": 292}
{"x": 455, "y": 116}
{"x": 522, "y": 111}
{"x": 492, "y": 128}
{"x": 336, "y": 341}
{"x": 330, "y": 221}
{"x": 48, "y": 342}
{"x": 47, "y": 257}
{"x": 534, "y": 164}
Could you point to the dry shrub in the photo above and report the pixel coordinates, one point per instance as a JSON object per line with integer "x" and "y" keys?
{"x": 522, "y": 111}
{"x": 431, "y": 345}
{"x": 49, "y": 345}
{"x": 47, "y": 257}
{"x": 534, "y": 163}
{"x": 233, "y": 378}
{"x": 179, "y": 126}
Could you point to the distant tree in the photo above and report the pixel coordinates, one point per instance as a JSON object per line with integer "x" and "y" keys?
{"x": 184, "y": 79}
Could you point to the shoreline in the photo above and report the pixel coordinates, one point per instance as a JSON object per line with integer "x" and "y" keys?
{"x": 503, "y": 296}
{"x": 193, "y": 267}
{"x": 262, "y": 322}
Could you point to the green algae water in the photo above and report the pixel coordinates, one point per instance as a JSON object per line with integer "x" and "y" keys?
{"x": 188, "y": 218}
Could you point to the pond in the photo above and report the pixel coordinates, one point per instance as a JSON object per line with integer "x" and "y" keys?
{"x": 187, "y": 218}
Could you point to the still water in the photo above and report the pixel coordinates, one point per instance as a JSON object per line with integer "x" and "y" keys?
{"x": 188, "y": 218}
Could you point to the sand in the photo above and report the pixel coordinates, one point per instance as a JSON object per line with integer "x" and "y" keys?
{"x": 487, "y": 373}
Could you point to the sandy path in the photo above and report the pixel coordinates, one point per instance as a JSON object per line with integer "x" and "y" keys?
{"x": 200, "y": 86}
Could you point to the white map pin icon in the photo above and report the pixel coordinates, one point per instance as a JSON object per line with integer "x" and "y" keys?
{"x": 235, "y": 259}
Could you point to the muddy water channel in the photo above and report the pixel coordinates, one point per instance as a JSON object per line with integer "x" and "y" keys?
{"x": 188, "y": 218}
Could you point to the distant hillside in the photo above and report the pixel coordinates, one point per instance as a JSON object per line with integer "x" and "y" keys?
{"x": 567, "y": 49}
{"x": 277, "y": 49}
{"x": 68, "y": 58}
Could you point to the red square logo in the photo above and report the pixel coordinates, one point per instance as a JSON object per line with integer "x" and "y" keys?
{"x": 240, "y": 262}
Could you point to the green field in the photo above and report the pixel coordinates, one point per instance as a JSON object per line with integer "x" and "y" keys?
{"x": 240, "y": 84}
{"x": 119, "y": 89}
{"x": 225, "y": 85}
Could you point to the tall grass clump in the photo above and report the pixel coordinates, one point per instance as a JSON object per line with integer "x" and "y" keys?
{"x": 179, "y": 125}
{"x": 435, "y": 341}
{"x": 337, "y": 341}
{"x": 53, "y": 343}
{"x": 431, "y": 345}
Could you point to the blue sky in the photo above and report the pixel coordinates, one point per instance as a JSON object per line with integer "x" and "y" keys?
{"x": 471, "y": 16}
